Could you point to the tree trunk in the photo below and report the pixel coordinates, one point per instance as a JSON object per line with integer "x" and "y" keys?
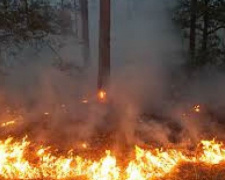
{"x": 1, "y": 69}
{"x": 104, "y": 44}
{"x": 26, "y": 6}
{"x": 205, "y": 28}
{"x": 192, "y": 43}
{"x": 62, "y": 4}
{"x": 75, "y": 18}
{"x": 26, "y": 10}
{"x": 5, "y": 4}
{"x": 85, "y": 31}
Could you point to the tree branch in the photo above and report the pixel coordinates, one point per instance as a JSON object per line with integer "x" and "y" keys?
{"x": 216, "y": 29}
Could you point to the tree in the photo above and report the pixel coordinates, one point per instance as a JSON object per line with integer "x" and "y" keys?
{"x": 23, "y": 23}
{"x": 192, "y": 40}
{"x": 205, "y": 25}
{"x": 205, "y": 19}
{"x": 104, "y": 44}
{"x": 85, "y": 31}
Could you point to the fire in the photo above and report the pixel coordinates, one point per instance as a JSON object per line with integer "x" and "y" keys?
{"x": 213, "y": 152}
{"x": 84, "y": 145}
{"x": 105, "y": 169}
{"x": 84, "y": 101}
{"x": 102, "y": 95}
{"x": 8, "y": 123}
{"x": 24, "y": 160}
{"x": 46, "y": 113}
{"x": 197, "y": 108}
{"x": 152, "y": 164}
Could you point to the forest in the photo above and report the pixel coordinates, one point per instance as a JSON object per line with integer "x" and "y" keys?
{"x": 112, "y": 89}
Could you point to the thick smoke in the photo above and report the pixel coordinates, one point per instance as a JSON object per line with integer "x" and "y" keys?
{"x": 147, "y": 104}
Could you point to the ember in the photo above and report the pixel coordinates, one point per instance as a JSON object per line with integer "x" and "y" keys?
{"x": 8, "y": 123}
{"x": 102, "y": 96}
{"x": 197, "y": 108}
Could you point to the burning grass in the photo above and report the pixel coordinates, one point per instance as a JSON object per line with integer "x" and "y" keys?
{"x": 23, "y": 159}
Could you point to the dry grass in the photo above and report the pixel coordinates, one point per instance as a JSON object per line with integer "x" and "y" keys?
{"x": 190, "y": 171}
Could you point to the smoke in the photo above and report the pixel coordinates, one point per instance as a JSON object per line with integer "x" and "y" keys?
{"x": 147, "y": 104}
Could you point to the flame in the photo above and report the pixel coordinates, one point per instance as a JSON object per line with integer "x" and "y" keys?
{"x": 84, "y": 145}
{"x": 84, "y": 101}
{"x": 106, "y": 169}
{"x": 197, "y": 108}
{"x": 46, "y": 113}
{"x": 21, "y": 159}
{"x": 151, "y": 164}
{"x": 102, "y": 95}
{"x": 8, "y": 123}
{"x": 213, "y": 152}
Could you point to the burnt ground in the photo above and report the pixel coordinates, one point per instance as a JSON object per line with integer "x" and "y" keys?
{"x": 108, "y": 134}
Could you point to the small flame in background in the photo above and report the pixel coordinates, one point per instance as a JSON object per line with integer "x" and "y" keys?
{"x": 102, "y": 95}
{"x": 8, "y": 123}
{"x": 197, "y": 108}
{"x": 84, "y": 145}
{"x": 18, "y": 161}
{"x": 84, "y": 101}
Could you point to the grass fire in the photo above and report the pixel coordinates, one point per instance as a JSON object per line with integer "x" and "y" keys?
{"x": 23, "y": 159}
{"x": 112, "y": 90}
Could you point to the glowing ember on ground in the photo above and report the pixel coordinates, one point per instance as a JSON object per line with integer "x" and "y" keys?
{"x": 18, "y": 161}
{"x": 8, "y": 123}
{"x": 84, "y": 101}
{"x": 46, "y": 113}
{"x": 102, "y": 95}
{"x": 84, "y": 145}
{"x": 197, "y": 108}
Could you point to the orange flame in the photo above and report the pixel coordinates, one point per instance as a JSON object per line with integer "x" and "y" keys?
{"x": 84, "y": 145}
{"x": 84, "y": 101}
{"x": 197, "y": 108}
{"x": 102, "y": 96}
{"x": 18, "y": 162}
{"x": 8, "y": 123}
{"x": 213, "y": 152}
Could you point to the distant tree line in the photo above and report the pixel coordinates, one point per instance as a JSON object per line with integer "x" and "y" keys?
{"x": 41, "y": 23}
{"x": 22, "y": 20}
{"x": 203, "y": 24}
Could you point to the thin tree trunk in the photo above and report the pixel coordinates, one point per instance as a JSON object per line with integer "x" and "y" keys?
{"x": 205, "y": 28}
{"x": 75, "y": 18}
{"x": 104, "y": 44}
{"x": 5, "y": 4}
{"x": 62, "y": 4}
{"x": 26, "y": 10}
{"x": 1, "y": 68}
{"x": 192, "y": 43}
{"x": 26, "y": 6}
{"x": 85, "y": 31}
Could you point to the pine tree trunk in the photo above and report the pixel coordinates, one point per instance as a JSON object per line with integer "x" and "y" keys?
{"x": 104, "y": 44}
{"x": 1, "y": 68}
{"x": 26, "y": 6}
{"x": 192, "y": 43}
{"x": 62, "y": 4}
{"x": 5, "y": 4}
{"x": 26, "y": 9}
{"x": 205, "y": 28}
{"x": 85, "y": 32}
{"x": 75, "y": 18}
